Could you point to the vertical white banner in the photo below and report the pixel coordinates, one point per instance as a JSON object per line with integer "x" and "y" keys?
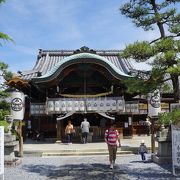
{"x": 17, "y": 105}
{"x": 2, "y": 151}
{"x": 176, "y": 149}
{"x": 154, "y": 103}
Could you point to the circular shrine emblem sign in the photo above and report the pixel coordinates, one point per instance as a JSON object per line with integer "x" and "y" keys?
{"x": 155, "y": 100}
{"x": 16, "y": 104}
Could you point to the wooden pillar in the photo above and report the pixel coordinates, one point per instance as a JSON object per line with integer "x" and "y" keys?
{"x": 19, "y": 131}
{"x": 59, "y": 131}
{"x": 152, "y": 136}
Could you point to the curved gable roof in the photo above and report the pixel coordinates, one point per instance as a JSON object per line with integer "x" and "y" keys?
{"x": 80, "y": 58}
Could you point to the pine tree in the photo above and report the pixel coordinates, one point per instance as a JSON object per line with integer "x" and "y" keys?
{"x": 4, "y": 75}
{"x": 162, "y": 52}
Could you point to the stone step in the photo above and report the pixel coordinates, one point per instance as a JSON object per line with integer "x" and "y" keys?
{"x": 82, "y": 153}
{"x": 75, "y": 152}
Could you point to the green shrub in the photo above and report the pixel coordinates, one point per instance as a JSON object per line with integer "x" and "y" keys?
{"x": 5, "y": 124}
{"x": 168, "y": 118}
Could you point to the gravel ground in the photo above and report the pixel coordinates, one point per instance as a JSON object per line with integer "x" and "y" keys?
{"x": 89, "y": 167}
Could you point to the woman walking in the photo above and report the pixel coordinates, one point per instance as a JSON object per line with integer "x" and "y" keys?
{"x": 69, "y": 132}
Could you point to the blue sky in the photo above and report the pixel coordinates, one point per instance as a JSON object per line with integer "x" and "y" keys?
{"x": 63, "y": 24}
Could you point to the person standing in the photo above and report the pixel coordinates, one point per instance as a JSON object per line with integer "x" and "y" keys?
{"x": 69, "y": 132}
{"x": 143, "y": 150}
{"x": 85, "y": 130}
{"x": 148, "y": 126}
{"x": 112, "y": 138}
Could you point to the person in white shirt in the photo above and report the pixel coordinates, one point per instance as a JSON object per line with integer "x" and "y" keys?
{"x": 85, "y": 130}
{"x": 148, "y": 126}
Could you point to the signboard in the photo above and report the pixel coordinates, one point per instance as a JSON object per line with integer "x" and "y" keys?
{"x": 176, "y": 149}
{"x": 126, "y": 124}
{"x": 132, "y": 107}
{"x": 17, "y": 105}
{"x": 143, "y": 108}
{"x": 164, "y": 107}
{"x": 154, "y": 103}
{"x": 1, "y": 151}
{"x": 130, "y": 121}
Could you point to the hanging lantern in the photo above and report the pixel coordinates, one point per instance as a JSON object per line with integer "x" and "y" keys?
{"x": 42, "y": 109}
{"x": 50, "y": 106}
{"x": 112, "y": 104}
{"x": 69, "y": 106}
{"x": 32, "y": 109}
{"x": 89, "y": 105}
{"x": 120, "y": 105}
{"x": 17, "y": 105}
{"x": 101, "y": 106}
{"x": 37, "y": 109}
{"x": 63, "y": 106}
{"x": 75, "y": 106}
{"x": 57, "y": 107}
{"x": 81, "y": 106}
{"x": 154, "y": 103}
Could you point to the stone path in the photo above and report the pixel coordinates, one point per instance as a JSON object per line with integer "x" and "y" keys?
{"x": 87, "y": 168}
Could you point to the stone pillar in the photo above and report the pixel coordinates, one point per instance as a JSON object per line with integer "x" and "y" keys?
{"x": 9, "y": 145}
{"x": 164, "y": 154}
{"x": 59, "y": 131}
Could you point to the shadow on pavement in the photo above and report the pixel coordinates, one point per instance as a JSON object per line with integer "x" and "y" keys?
{"x": 80, "y": 172}
{"x": 150, "y": 172}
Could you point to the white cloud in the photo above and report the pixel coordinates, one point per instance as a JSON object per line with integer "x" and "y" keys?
{"x": 66, "y": 24}
{"x": 25, "y": 49}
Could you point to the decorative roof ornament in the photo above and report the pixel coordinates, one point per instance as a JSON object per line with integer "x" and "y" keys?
{"x": 84, "y": 49}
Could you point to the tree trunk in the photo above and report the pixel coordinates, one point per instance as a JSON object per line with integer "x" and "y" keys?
{"x": 158, "y": 22}
{"x": 176, "y": 87}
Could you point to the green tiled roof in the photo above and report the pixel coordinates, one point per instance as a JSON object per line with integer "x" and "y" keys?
{"x": 80, "y": 58}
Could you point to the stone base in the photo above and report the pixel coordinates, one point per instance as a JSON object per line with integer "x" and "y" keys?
{"x": 1, "y": 176}
{"x": 162, "y": 159}
{"x": 127, "y": 137}
{"x": 15, "y": 162}
{"x": 58, "y": 141}
{"x": 89, "y": 138}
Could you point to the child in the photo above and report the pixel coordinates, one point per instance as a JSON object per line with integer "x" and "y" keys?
{"x": 143, "y": 150}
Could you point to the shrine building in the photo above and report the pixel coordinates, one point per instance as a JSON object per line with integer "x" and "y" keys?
{"x": 68, "y": 85}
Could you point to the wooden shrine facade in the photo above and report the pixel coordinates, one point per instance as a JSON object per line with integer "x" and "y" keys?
{"x": 73, "y": 84}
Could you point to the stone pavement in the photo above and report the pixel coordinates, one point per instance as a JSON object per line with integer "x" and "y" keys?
{"x": 87, "y": 168}
{"x": 32, "y": 146}
{"x": 128, "y": 166}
